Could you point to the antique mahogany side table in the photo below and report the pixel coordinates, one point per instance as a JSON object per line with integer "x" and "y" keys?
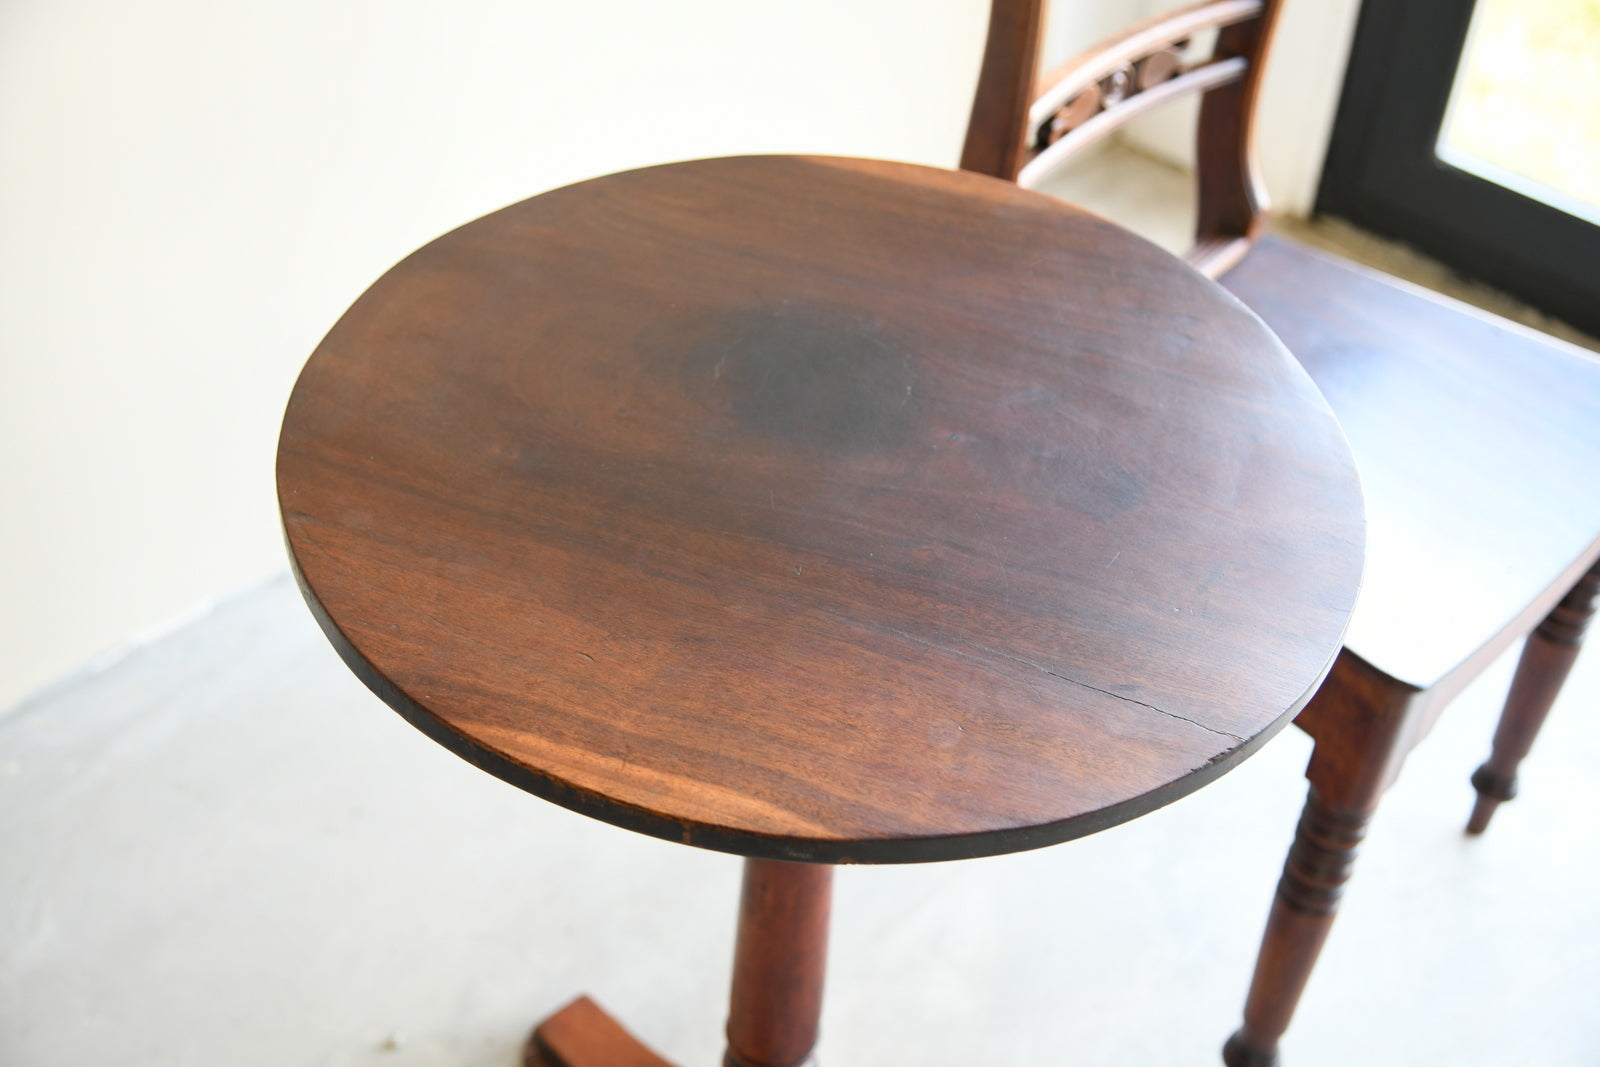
{"x": 819, "y": 511}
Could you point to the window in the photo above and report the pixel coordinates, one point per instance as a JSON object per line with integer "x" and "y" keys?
{"x": 1475, "y": 136}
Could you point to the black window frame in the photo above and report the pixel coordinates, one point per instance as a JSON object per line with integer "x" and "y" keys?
{"x": 1383, "y": 173}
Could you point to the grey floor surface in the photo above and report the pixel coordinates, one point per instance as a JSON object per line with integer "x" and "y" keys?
{"x": 223, "y": 850}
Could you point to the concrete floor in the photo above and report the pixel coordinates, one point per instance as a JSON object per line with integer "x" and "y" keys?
{"x": 222, "y": 850}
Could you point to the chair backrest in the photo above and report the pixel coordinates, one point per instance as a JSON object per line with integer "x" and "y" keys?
{"x": 1024, "y": 126}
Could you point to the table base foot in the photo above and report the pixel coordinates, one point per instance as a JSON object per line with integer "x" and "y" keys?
{"x": 583, "y": 1035}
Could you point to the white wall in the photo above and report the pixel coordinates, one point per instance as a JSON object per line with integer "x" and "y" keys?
{"x": 191, "y": 191}
{"x": 1074, "y": 25}
{"x": 1304, "y": 75}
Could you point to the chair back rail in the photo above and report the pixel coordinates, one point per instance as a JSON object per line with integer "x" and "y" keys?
{"x": 1024, "y": 127}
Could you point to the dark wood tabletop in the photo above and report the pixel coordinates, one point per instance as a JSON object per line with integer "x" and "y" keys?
{"x": 821, "y": 509}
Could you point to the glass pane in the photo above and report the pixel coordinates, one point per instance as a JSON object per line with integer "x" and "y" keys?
{"x": 1523, "y": 111}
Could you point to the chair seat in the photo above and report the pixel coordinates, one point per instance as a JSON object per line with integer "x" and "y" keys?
{"x": 1478, "y": 443}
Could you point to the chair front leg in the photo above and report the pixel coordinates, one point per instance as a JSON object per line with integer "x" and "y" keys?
{"x": 1319, "y": 864}
{"x": 1357, "y": 720}
{"x": 1546, "y": 658}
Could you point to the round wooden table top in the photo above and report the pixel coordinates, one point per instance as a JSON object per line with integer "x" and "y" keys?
{"x": 821, "y": 509}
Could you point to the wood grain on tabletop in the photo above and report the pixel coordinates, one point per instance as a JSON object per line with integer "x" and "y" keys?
{"x": 821, "y": 509}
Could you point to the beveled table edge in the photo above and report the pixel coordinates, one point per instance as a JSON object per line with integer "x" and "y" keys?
{"x": 774, "y": 847}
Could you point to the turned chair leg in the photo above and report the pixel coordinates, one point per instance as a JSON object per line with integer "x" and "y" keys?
{"x": 1359, "y": 720}
{"x": 1546, "y": 659}
{"x": 1319, "y": 864}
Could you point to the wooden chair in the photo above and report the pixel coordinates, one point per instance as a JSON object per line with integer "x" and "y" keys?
{"x": 1478, "y": 444}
